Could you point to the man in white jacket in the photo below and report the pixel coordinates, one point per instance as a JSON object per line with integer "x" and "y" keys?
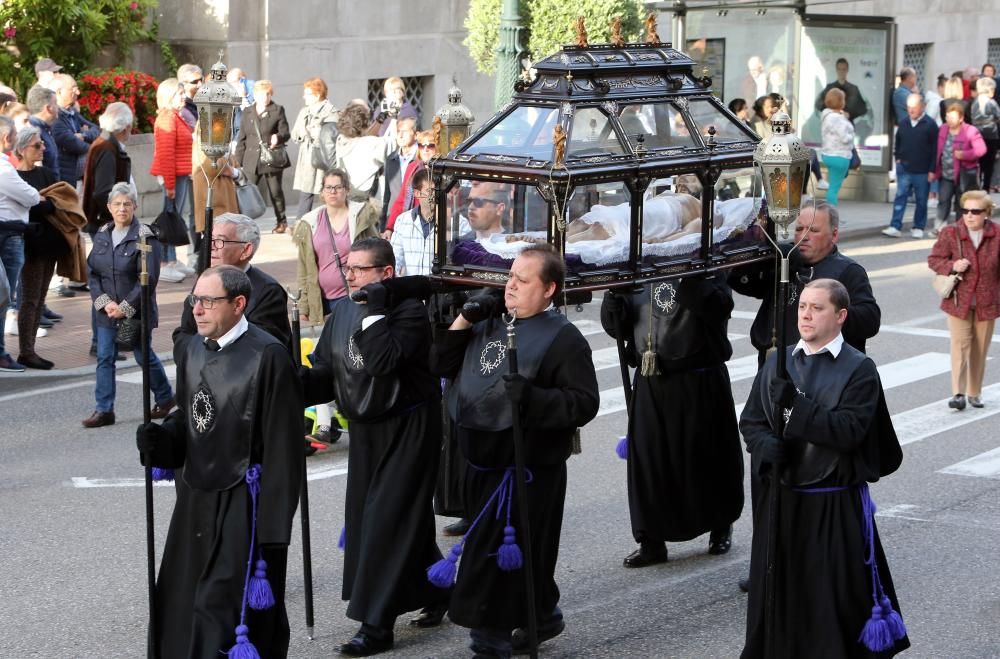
{"x": 16, "y": 198}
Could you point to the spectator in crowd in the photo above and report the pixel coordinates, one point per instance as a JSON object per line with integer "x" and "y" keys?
{"x": 361, "y": 155}
{"x": 488, "y": 208}
{"x": 395, "y": 106}
{"x": 413, "y": 238}
{"x": 907, "y": 86}
{"x": 306, "y": 132}
{"x": 915, "y": 148}
{"x": 324, "y": 237}
{"x": 933, "y": 98}
{"x": 985, "y": 117}
{"x": 45, "y": 72}
{"x": 44, "y": 112}
{"x": 190, "y": 77}
{"x": 988, "y": 71}
{"x": 264, "y": 126}
{"x": 763, "y": 109}
{"x": 6, "y": 101}
{"x": 954, "y": 92}
{"x": 754, "y": 85}
{"x": 107, "y": 163}
{"x": 970, "y": 247}
{"x": 114, "y": 264}
{"x": 397, "y": 170}
{"x": 16, "y": 200}
{"x": 739, "y": 107}
{"x": 426, "y": 149}
{"x": 18, "y": 112}
{"x": 73, "y": 133}
{"x": 959, "y": 148}
{"x": 855, "y": 105}
{"x": 244, "y": 87}
{"x": 838, "y": 142}
{"x": 172, "y": 151}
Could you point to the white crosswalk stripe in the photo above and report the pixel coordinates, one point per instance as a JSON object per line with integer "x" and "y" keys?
{"x": 984, "y": 465}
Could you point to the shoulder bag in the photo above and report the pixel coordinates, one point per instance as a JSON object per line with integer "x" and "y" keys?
{"x": 249, "y": 199}
{"x": 169, "y": 229}
{"x": 945, "y": 285}
{"x": 276, "y": 158}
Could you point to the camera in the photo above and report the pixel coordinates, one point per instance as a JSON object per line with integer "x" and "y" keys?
{"x": 390, "y": 108}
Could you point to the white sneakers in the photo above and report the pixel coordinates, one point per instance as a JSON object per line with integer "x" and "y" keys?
{"x": 822, "y": 184}
{"x": 917, "y": 233}
{"x": 10, "y": 326}
{"x": 171, "y": 274}
{"x": 181, "y": 267}
{"x": 932, "y": 202}
{"x": 892, "y": 232}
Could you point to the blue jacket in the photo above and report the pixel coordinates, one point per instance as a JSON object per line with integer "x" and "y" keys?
{"x": 916, "y": 146}
{"x": 899, "y": 96}
{"x": 72, "y": 150}
{"x": 114, "y": 272}
{"x": 51, "y": 158}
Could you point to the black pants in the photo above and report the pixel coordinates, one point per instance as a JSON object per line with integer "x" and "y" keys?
{"x": 271, "y": 185}
{"x": 987, "y": 162}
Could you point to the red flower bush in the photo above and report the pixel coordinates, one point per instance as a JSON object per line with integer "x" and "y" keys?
{"x": 99, "y": 87}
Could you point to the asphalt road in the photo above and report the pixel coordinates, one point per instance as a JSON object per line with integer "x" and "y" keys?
{"x": 72, "y": 546}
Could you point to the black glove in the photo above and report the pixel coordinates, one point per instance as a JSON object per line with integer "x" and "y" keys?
{"x": 770, "y": 450}
{"x": 487, "y": 304}
{"x": 614, "y": 302}
{"x": 517, "y": 387}
{"x": 782, "y": 391}
{"x": 147, "y": 436}
{"x": 377, "y": 299}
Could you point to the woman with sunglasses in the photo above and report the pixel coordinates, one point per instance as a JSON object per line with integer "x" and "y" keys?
{"x": 970, "y": 247}
{"x": 405, "y": 200}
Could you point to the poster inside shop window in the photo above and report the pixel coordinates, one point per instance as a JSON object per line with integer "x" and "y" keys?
{"x": 863, "y": 79}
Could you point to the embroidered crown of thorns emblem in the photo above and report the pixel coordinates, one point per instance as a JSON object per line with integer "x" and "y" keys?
{"x": 203, "y": 410}
{"x": 357, "y": 360}
{"x": 665, "y": 296}
{"x": 492, "y": 357}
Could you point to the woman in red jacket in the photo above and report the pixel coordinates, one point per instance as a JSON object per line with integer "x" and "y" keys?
{"x": 426, "y": 149}
{"x": 960, "y": 146}
{"x": 172, "y": 144}
{"x": 970, "y": 247}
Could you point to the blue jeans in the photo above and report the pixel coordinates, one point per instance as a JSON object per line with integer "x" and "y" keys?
{"x": 12, "y": 256}
{"x": 837, "y": 169}
{"x": 104, "y": 391}
{"x": 921, "y": 187}
{"x": 183, "y": 205}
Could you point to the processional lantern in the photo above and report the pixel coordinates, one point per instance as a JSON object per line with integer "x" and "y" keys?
{"x": 783, "y": 164}
{"x": 456, "y": 121}
{"x": 217, "y": 103}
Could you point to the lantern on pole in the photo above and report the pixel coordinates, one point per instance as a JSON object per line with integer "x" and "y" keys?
{"x": 783, "y": 163}
{"x": 217, "y": 102}
{"x": 456, "y": 120}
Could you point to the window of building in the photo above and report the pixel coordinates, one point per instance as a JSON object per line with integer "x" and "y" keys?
{"x": 414, "y": 85}
{"x": 993, "y": 52}
{"x": 917, "y": 56}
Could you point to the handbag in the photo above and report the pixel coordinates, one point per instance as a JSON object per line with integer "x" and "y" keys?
{"x": 170, "y": 229}
{"x": 276, "y": 158}
{"x": 249, "y": 199}
{"x": 945, "y": 285}
{"x": 855, "y": 159}
{"x": 127, "y": 332}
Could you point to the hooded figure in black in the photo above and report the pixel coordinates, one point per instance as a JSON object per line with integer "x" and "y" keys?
{"x": 234, "y": 434}
{"x": 557, "y": 390}
{"x": 372, "y": 360}
{"x": 833, "y": 593}
{"x": 685, "y": 462}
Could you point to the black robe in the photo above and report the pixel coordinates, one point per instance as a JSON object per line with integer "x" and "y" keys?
{"x": 201, "y": 580}
{"x": 685, "y": 462}
{"x": 380, "y": 381}
{"x": 838, "y": 435}
{"x": 563, "y": 397}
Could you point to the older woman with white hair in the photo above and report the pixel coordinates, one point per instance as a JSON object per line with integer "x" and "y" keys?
{"x": 986, "y": 116}
{"x": 107, "y": 163}
{"x": 115, "y": 264}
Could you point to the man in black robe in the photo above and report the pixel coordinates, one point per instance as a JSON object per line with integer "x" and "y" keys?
{"x": 685, "y": 462}
{"x": 829, "y": 597}
{"x": 235, "y": 240}
{"x": 557, "y": 390}
{"x": 233, "y": 437}
{"x": 372, "y": 360}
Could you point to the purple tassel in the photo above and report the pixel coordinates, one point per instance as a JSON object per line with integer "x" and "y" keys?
{"x": 876, "y": 634}
{"x": 509, "y": 555}
{"x": 161, "y": 474}
{"x": 892, "y": 617}
{"x": 622, "y": 448}
{"x": 442, "y": 573}
{"x": 260, "y": 596}
{"x": 343, "y": 539}
{"x": 243, "y": 649}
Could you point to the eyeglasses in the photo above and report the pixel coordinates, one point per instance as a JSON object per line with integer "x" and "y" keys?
{"x": 220, "y": 243}
{"x": 974, "y": 211}
{"x": 196, "y": 81}
{"x": 353, "y": 270}
{"x": 121, "y": 204}
{"x": 36, "y": 145}
{"x": 334, "y": 188}
{"x": 427, "y": 145}
{"x": 478, "y": 202}
{"x": 206, "y": 301}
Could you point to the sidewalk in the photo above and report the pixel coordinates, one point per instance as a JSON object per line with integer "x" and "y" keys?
{"x": 67, "y": 344}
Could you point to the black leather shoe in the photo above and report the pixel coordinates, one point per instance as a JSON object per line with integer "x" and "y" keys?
{"x": 98, "y": 419}
{"x": 720, "y": 540}
{"x": 975, "y": 401}
{"x": 429, "y": 616}
{"x": 461, "y": 527}
{"x": 519, "y": 637}
{"x": 364, "y": 645}
{"x": 51, "y": 315}
{"x": 957, "y": 402}
{"x": 34, "y": 361}
{"x": 646, "y": 554}
{"x": 744, "y": 584}
{"x": 46, "y": 322}
{"x": 66, "y": 291}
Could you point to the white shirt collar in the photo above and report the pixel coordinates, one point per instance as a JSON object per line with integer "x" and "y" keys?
{"x": 833, "y": 347}
{"x": 238, "y": 330}
{"x": 913, "y": 123}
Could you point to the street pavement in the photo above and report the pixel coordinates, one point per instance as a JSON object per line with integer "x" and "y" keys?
{"x": 73, "y": 540}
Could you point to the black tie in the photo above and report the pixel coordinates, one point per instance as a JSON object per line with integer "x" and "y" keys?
{"x": 213, "y": 345}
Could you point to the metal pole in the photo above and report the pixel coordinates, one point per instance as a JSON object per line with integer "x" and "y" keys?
{"x": 145, "y": 309}
{"x": 522, "y": 493}
{"x": 620, "y": 330}
{"x": 304, "y": 492}
{"x": 205, "y": 250}
{"x": 508, "y": 53}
